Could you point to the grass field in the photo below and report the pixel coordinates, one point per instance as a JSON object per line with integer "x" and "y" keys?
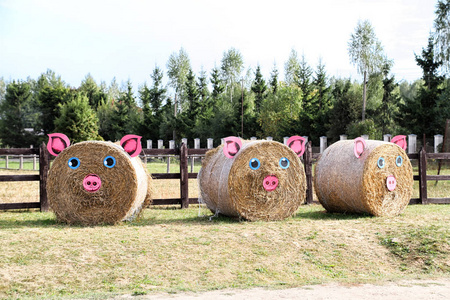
{"x": 177, "y": 250}
{"x": 173, "y": 250}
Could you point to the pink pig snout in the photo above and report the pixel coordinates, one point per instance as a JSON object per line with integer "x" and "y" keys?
{"x": 92, "y": 183}
{"x": 391, "y": 183}
{"x": 270, "y": 183}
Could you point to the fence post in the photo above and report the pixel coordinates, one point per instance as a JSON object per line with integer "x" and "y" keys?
{"x": 438, "y": 139}
{"x": 253, "y": 138}
{"x": 269, "y": 138}
{"x": 20, "y": 161}
{"x": 423, "y": 175}
{"x": 343, "y": 137}
{"x": 285, "y": 139}
{"x": 196, "y": 146}
{"x": 323, "y": 143}
{"x": 387, "y": 137}
{"x": 43, "y": 172}
{"x": 171, "y": 146}
{"x": 412, "y": 143}
{"x": 308, "y": 172}
{"x": 210, "y": 143}
{"x": 6, "y": 162}
{"x": 184, "y": 178}
{"x": 365, "y": 136}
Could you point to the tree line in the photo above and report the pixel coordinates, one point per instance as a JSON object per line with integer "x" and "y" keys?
{"x": 229, "y": 100}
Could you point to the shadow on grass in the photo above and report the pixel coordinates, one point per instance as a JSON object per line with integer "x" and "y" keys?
{"x": 324, "y": 215}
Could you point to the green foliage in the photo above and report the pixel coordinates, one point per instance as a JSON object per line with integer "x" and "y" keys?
{"x": 259, "y": 88}
{"x": 358, "y": 128}
{"x": 442, "y": 33}
{"x": 346, "y": 107}
{"x": 280, "y": 111}
{"x": 125, "y": 117}
{"x": 78, "y": 120}
{"x": 231, "y": 69}
{"x": 178, "y": 67}
{"x": 152, "y": 99}
{"x": 92, "y": 91}
{"x": 425, "y": 113}
{"x": 14, "y": 115}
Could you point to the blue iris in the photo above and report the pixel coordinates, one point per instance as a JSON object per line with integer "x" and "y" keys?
{"x": 74, "y": 163}
{"x": 381, "y": 163}
{"x": 254, "y": 164}
{"x": 284, "y": 163}
{"x": 399, "y": 161}
{"x": 109, "y": 162}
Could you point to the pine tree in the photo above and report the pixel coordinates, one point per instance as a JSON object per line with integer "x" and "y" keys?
{"x": 78, "y": 120}
{"x": 259, "y": 88}
{"x": 13, "y": 115}
{"x": 217, "y": 85}
{"x": 274, "y": 80}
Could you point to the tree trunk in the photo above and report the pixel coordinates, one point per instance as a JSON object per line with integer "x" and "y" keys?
{"x": 364, "y": 97}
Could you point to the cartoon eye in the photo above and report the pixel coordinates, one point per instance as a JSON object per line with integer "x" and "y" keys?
{"x": 284, "y": 163}
{"x": 74, "y": 163}
{"x": 380, "y": 163}
{"x": 399, "y": 161}
{"x": 109, "y": 162}
{"x": 254, "y": 164}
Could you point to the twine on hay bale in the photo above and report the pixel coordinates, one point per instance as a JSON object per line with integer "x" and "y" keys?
{"x": 379, "y": 182}
{"x": 125, "y": 188}
{"x": 229, "y": 186}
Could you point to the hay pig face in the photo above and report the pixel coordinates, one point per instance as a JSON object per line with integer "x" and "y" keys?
{"x": 387, "y": 176}
{"x": 266, "y": 177}
{"x": 92, "y": 182}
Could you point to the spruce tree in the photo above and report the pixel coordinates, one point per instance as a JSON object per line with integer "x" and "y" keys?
{"x": 78, "y": 120}
{"x": 259, "y": 88}
{"x": 13, "y": 115}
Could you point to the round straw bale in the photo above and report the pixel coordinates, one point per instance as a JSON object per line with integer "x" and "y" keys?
{"x": 360, "y": 176}
{"x": 124, "y": 185}
{"x": 267, "y": 190}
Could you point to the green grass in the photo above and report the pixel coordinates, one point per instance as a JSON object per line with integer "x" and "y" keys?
{"x": 175, "y": 250}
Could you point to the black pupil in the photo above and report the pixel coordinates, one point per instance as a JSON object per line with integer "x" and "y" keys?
{"x": 381, "y": 163}
{"x": 74, "y": 163}
{"x": 399, "y": 160}
{"x": 109, "y": 161}
{"x": 254, "y": 163}
{"x": 284, "y": 163}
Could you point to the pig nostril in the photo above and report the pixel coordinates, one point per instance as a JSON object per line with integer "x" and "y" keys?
{"x": 94, "y": 184}
{"x": 88, "y": 183}
{"x": 273, "y": 182}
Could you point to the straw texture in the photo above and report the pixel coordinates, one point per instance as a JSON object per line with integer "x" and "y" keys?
{"x": 230, "y": 187}
{"x": 125, "y": 188}
{"x": 344, "y": 183}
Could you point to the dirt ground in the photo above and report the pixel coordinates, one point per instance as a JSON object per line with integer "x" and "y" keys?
{"x": 418, "y": 289}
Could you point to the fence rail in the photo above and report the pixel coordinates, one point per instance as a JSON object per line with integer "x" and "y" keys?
{"x": 183, "y": 153}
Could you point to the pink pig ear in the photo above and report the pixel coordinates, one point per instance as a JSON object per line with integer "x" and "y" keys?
{"x": 360, "y": 146}
{"x": 400, "y": 140}
{"x": 231, "y": 146}
{"x": 57, "y": 142}
{"x": 131, "y": 144}
{"x": 297, "y": 144}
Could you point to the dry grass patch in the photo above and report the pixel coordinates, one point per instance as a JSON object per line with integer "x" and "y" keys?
{"x": 173, "y": 250}
{"x": 19, "y": 191}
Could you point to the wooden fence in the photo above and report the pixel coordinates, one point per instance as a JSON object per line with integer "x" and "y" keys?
{"x": 184, "y": 175}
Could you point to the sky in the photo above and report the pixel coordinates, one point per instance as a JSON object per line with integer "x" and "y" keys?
{"x": 127, "y": 39}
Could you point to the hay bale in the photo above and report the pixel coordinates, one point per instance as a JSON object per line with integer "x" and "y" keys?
{"x": 360, "y": 176}
{"x": 97, "y": 182}
{"x": 232, "y": 186}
